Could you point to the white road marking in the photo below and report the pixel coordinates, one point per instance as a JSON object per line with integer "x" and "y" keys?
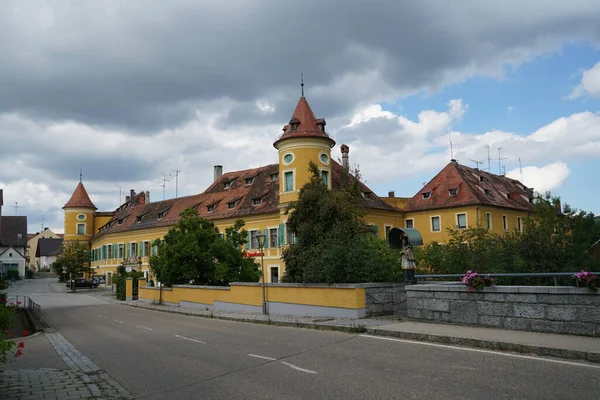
{"x": 263, "y": 357}
{"x": 101, "y": 316}
{"x": 484, "y": 351}
{"x": 308, "y": 371}
{"x": 117, "y": 321}
{"x": 144, "y": 327}
{"x": 190, "y": 339}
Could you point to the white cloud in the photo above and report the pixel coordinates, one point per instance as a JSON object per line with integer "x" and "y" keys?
{"x": 589, "y": 85}
{"x": 542, "y": 179}
{"x": 510, "y": 108}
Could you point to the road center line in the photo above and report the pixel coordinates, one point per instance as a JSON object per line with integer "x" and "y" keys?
{"x": 263, "y": 357}
{"x": 308, "y": 371}
{"x": 117, "y": 321}
{"x": 144, "y": 327}
{"x": 190, "y": 339}
{"x": 484, "y": 351}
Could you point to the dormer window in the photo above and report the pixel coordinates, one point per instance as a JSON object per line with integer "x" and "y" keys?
{"x": 227, "y": 185}
{"x": 453, "y": 192}
{"x": 274, "y": 177}
{"x": 257, "y": 202}
{"x": 249, "y": 181}
{"x": 139, "y": 219}
{"x": 486, "y": 192}
{"x": 508, "y": 196}
{"x": 321, "y": 127}
{"x": 425, "y": 195}
{"x": 366, "y": 195}
{"x": 121, "y": 221}
{"x": 482, "y": 179}
{"x": 231, "y": 205}
{"x": 211, "y": 208}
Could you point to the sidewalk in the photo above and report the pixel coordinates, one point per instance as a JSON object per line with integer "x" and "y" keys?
{"x": 534, "y": 343}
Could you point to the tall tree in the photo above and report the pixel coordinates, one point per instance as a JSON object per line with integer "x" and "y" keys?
{"x": 334, "y": 244}
{"x": 75, "y": 259}
{"x": 194, "y": 252}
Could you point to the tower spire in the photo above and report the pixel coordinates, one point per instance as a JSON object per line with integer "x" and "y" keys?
{"x": 302, "y": 83}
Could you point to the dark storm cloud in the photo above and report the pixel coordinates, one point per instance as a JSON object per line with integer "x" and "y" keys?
{"x": 143, "y": 66}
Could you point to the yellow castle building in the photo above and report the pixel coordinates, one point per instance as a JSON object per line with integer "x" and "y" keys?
{"x": 457, "y": 196}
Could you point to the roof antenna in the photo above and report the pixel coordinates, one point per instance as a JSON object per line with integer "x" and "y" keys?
{"x": 476, "y": 163}
{"x": 80, "y": 174}
{"x": 302, "y": 82}
{"x": 521, "y": 169}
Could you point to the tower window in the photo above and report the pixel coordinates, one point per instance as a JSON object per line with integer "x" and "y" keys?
{"x": 321, "y": 127}
{"x": 289, "y": 181}
{"x": 81, "y": 229}
{"x": 81, "y": 217}
{"x": 288, "y": 158}
{"x": 324, "y": 158}
{"x": 294, "y": 126}
{"x": 325, "y": 177}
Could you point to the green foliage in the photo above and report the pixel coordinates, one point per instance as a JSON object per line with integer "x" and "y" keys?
{"x": 334, "y": 243}
{"x": 550, "y": 242}
{"x": 75, "y": 259}
{"x": 13, "y": 274}
{"x": 193, "y": 252}
{"x": 6, "y": 320}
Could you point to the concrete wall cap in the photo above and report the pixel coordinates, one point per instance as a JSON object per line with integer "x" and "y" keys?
{"x": 203, "y": 287}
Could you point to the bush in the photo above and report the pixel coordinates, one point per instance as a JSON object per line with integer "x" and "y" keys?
{"x": 13, "y": 274}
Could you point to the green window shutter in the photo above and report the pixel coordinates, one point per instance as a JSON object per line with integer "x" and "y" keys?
{"x": 153, "y": 250}
{"x": 115, "y": 251}
{"x": 129, "y": 250}
{"x": 141, "y": 251}
{"x": 247, "y": 245}
{"x": 295, "y": 238}
{"x": 280, "y": 235}
{"x": 104, "y": 252}
{"x": 375, "y": 230}
{"x": 266, "y": 233}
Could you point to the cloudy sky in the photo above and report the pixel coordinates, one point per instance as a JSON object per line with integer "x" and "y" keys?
{"x": 132, "y": 90}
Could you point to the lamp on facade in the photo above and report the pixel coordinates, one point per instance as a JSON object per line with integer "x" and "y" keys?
{"x": 261, "y": 245}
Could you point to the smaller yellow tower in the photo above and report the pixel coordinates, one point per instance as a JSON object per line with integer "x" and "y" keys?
{"x": 79, "y": 216}
{"x": 303, "y": 140}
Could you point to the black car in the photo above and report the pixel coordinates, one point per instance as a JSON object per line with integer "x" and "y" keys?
{"x": 83, "y": 283}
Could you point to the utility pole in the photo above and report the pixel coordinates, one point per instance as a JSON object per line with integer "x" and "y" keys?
{"x": 16, "y": 207}
{"x": 176, "y": 182}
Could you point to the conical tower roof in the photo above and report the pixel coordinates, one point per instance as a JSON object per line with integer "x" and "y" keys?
{"x": 304, "y": 124}
{"x": 80, "y": 199}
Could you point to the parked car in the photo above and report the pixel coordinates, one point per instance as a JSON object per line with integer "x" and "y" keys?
{"x": 83, "y": 283}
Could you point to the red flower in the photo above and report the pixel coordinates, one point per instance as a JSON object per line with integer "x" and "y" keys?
{"x": 24, "y": 332}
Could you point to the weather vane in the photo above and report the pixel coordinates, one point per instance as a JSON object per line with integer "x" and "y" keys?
{"x": 302, "y": 82}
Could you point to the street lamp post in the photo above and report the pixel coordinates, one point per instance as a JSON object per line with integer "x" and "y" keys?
{"x": 261, "y": 245}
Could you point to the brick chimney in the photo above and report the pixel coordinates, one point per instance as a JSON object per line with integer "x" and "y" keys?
{"x": 345, "y": 160}
{"x": 391, "y": 194}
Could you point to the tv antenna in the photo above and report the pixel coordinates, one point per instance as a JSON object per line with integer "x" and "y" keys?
{"x": 16, "y": 207}
{"x": 476, "y": 163}
{"x": 121, "y": 194}
{"x": 521, "y": 169}
{"x": 43, "y": 219}
{"x": 489, "y": 158}
{"x": 451, "y": 150}
{"x": 500, "y": 161}
{"x": 176, "y": 182}
{"x": 164, "y": 184}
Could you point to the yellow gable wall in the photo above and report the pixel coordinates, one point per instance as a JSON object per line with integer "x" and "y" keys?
{"x": 100, "y": 221}
{"x": 448, "y": 219}
{"x": 32, "y": 245}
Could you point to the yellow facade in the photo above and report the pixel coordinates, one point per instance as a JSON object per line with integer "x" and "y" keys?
{"x": 79, "y": 224}
{"x": 32, "y": 245}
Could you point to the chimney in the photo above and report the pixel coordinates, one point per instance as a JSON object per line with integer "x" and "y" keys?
{"x": 147, "y": 197}
{"x": 218, "y": 172}
{"x": 391, "y": 194}
{"x": 131, "y": 194}
{"x": 345, "y": 162}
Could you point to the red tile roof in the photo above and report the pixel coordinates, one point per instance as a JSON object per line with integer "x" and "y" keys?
{"x": 474, "y": 187}
{"x": 138, "y": 215}
{"x": 307, "y": 124}
{"x": 80, "y": 199}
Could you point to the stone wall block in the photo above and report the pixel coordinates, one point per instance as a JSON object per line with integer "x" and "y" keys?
{"x": 488, "y": 320}
{"x": 547, "y": 326}
{"x": 414, "y": 304}
{"x": 554, "y": 299}
{"x": 521, "y": 298}
{"x": 471, "y": 296}
{"x": 463, "y": 312}
{"x": 441, "y": 316}
{"x": 380, "y": 298}
{"x": 561, "y": 313}
{"x": 494, "y": 297}
{"x": 495, "y": 309}
{"x": 534, "y": 311}
{"x": 427, "y": 314}
{"x": 588, "y": 314}
{"x": 415, "y": 294}
{"x": 447, "y": 295}
{"x": 417, "y": 314}
{"x": 518, "y": 324}
{"x": 436, "y": 304}
{"x": 585, "y": 300}
{"x": 580, "y": 328}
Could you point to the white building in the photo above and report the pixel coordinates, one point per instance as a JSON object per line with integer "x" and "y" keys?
{"x": 13, "y": 242}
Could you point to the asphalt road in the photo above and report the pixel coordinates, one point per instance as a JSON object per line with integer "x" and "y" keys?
{"x": 166, "y": 356}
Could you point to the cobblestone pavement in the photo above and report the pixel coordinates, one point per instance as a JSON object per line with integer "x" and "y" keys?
{"x": 84, "y": 380}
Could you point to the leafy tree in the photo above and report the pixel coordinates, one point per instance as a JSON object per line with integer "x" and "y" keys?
{"x": 194, "y": 252}
{"x": 75, "y": 259}
{"x": 334, "y": 244}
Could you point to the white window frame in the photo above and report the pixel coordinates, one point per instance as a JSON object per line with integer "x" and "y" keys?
{"x": 386, "y": 231}
{"x": 121, "y": 250}
{"x": 257, "y": 232}
{"x": 109, "y": 253}
{"x": 488, "y": 220}
{"x": 284, "y": 155}
{"x": 520, "y": 224}
{"x": 505, "y": 222}
{"x": 412, "y": 220}
{"x": 276, "y": 229}
{"x": 271, "y": 268}
{"x": 146, "y": 253}
{"x": 84, "y": 228}
{"x": 431, "y": 217}
{"x": 466, "y": 220}
{"x": 131, "y": 252}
